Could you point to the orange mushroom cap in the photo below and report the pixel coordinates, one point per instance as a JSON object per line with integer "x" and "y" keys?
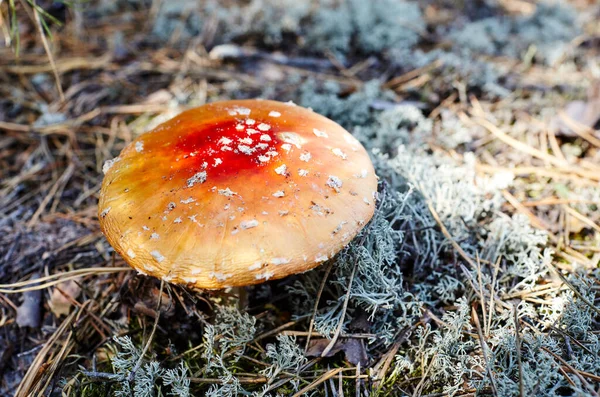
{"x": 235, "y": 193}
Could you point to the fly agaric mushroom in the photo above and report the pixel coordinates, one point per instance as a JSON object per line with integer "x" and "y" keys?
{"x": 235, "y": 193}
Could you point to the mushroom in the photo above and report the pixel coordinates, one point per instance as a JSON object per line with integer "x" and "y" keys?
{"x": 234, "y": 193}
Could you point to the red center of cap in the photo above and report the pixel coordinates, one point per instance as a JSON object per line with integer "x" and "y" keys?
{"x": 229, "y": 147}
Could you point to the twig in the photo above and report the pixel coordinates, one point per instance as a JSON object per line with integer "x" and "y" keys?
{"x": 580, "y": 129}
{"x": 316, "y": 307}
{"x": 344, "y": 308}
{"x": 518, "y": 343}
{"x": 572, "y": 288}
{"x": 58, "y": 278}
{"x": 571, "y": 369}
{"x": 147, "y": 346}
{"x": 484, "y": 351}
{"x": 326, "y": 376}
{"x": 447, "y": 234}
{"x": 38, "y": 23}
{"x": 518, "y": 145}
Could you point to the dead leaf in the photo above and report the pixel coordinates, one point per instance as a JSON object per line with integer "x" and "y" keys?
{"x": 354, "y": 349}
{"x": 586, "y": 112}
{"x": 62, "y": 296}
{"x": 29, "y": 313}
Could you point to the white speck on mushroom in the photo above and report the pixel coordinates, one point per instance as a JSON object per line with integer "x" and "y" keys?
{"x": 219, "y": 276}
{"x": 227, "y": 206}
{"x": 338, "y": 152}
{"x": 199, "y": 177}
{"x": 145, "y": 228}
{"x": 149, "y": 268}
{"x": 246, "y": 140}
{"x": 305, "y": 156}
{"x": 217, "y": 162}
{"x": 334, "y": 182}
{"x": 279, "y": 193}
{"x": 105, "y": 212}
{"x": 251, "y": 131}
{"x": 130, "y": 253}
{"x": 177, "y": 220}
{"x": 157, "y": 255}
{"x": 293, "y": 138}
{"x": 317, "y": 209}
{"x": 241, "y": 209}
{"x": 265, "y": 276}
{"x": 243, "y": 111}
{"x": 245, "y": 149}
{"x": 290, "y": 103}
{"x": 272, "y": 153}
{"x": 283, "y": 213}
{"x": 321, "y": 258}
{"x": 154, "y": 236}
{"x": 264, "y": 127}
{"x": 164, "y": 218}
{"x": 263, "y": 159}
{"x": 255, "y": 266}
{"x": 279, "y": 261}
{"x": 109, "y": 163}
{"x": 281, "y": 170}
{"x": 366, "y": 200}
{"x": 226, "y": 192}
{"x": 225, "y": 141}
{"x": 187, "y": 201}
{"x": 250, "y": 122}
{"x": 239, "y": 127}
{"x": 320, "y": 134}
{"x": 265, "y": 213}
{"x": 287, "y": 147}
{"x": 248, "y": 224}
{"x": 302, "y": 172}
{"x": 139, "y": 146}
{"x": 171, "y": 206}
{"x": 226, "y": 148}
{"x": 232, "y": 217}
{"x": 262, "y": 145}
{"x": 265, "y": 138}
{"x": 273, "y": 113}
{"x": 339, "y": 227}
{"x": 363, "y": 174}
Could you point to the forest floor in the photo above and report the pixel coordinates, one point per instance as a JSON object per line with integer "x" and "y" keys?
{"x": 478, "y": 274}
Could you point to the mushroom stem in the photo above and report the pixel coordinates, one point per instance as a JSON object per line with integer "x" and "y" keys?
{"x": 242, "y": 294}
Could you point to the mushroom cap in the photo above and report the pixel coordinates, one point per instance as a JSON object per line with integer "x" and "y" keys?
{"x": 237, "y": 192}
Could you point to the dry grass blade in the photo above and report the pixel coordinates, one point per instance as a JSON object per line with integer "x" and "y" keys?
{"x": 340, "y": 325}
{"x": 572, "y": 288}
{"x": 325, "y": 377}
{"x": 28, "y": 382}
{"x": 518, "y": 350}
{"x": 40, "y": 28}
{"x": 582, "y": 130}
{"x": 49, "y": 281}
{"x": 484, "y": 350}
{"x": 518, "y": 145}
{"x": 570, "y": 368}
{"x": 316, "y": 306}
